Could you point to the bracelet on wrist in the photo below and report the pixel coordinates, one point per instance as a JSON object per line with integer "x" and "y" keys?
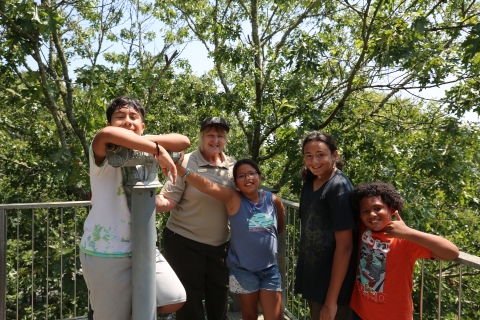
{"x": 158, "y": 150}
{"x": 187, "y": 173}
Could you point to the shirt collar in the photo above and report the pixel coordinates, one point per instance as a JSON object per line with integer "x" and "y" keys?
{"x": 204, "y": 163}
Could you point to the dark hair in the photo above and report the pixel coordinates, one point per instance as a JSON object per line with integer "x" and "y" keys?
{"x": 242, "y": 162}
{"x": 331, "y": 144}
{"x": 123, "y": 101}
{"x": 390, "y": 196}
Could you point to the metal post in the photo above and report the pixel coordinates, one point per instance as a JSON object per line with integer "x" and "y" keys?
{"x": 460, "y": 293}
{"x": 141, "y": 170}
{"x": 143, "y": 253}
{"x": 282, "y": 263}
{"x": 3, "y": 264}
{"x": 440, "y": 291}
{"x": 421, "y": 288}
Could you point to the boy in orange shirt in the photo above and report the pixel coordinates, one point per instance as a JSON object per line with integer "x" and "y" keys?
{"x": 388, "y": 251}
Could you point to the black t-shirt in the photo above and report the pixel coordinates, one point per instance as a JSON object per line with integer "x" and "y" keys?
{"x": 322, "y": 213}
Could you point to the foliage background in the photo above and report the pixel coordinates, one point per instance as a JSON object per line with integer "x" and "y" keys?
{"x": 280, "y": 69}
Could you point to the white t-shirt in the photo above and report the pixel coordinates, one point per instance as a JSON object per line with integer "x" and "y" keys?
{"x": 107, "y": 229}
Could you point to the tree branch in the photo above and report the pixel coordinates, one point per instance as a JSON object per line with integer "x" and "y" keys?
{"x": 168, "y": 62}
{"x": 15, "y": 161}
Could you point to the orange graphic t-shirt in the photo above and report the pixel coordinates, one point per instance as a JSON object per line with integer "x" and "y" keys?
{"x": 383, "y": 284}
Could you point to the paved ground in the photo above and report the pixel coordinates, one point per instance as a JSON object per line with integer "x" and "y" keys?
{"x": 238, "y": 316}
{"x": 231, "y": 316}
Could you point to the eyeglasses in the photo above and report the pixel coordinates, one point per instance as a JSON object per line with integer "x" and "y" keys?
{"x": 243, "y": 176}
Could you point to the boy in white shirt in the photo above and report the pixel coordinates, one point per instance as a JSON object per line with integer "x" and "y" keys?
{"x": 106, "y": 246}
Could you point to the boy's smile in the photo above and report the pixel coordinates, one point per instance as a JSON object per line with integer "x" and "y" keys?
{"x": 374, "y": 213}
{"x": 128, "y": 118}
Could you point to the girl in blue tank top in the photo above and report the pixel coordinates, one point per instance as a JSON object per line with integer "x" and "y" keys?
{"x": 256, "y": 218}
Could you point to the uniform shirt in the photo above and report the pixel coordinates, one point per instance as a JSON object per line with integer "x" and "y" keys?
{"x": 198, "y": 216}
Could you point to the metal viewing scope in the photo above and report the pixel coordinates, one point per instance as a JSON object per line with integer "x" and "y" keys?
{"x": 129, "y": 159}
{"x": 140, "y": 170}
{"x": 119, "y": 156}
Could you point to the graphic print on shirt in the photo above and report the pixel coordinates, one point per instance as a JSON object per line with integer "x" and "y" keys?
{"x": 318, "y": 237}
{"x": 372, "y": 266}
{"x": 261, "y": 221}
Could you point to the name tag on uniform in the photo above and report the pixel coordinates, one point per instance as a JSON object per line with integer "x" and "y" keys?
{"x": 201, "y": 170}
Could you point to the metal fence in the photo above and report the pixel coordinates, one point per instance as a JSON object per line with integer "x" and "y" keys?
{"x": 39, "y": 265}
{"x": 443, "y": 279}
{"x": 41, "y": 278}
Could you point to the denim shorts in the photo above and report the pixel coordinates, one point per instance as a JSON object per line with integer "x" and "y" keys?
{"x": 243, "y": 281}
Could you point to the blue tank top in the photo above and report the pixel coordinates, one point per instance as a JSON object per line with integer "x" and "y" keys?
{"x": 253, "y": 244}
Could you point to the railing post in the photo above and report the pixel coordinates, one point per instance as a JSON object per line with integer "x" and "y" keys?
{"x": 282, "y": 265}
{"x": 421, "y": 289}
{"x": 460, "y": 292}
{"x": 3, "y": 264}
{"x": 440, "y": 291}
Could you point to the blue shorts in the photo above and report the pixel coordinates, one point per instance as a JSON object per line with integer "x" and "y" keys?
{"x": 243, "y": 281}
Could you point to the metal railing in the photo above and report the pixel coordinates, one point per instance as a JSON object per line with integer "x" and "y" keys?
{"x": 447, "y": 278}
{"x": 39, "y": 265}
{"x": 40, "y": 274}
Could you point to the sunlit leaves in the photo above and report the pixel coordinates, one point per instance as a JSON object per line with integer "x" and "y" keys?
{"x": 471, "y": 57}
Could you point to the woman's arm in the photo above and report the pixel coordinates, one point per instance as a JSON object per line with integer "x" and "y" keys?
{"x": 164, "y": 204}
{"x": 280, "y": 212}
{"x": 341, "y": 259}
{"x": 230, "y": 197}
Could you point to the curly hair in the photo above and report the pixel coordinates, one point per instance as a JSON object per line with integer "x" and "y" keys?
{"x": 390, "y": 196}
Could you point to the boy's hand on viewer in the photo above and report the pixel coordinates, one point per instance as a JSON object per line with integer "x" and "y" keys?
{"x": 397, "y": 228}
{"x": 166, "y": 163}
